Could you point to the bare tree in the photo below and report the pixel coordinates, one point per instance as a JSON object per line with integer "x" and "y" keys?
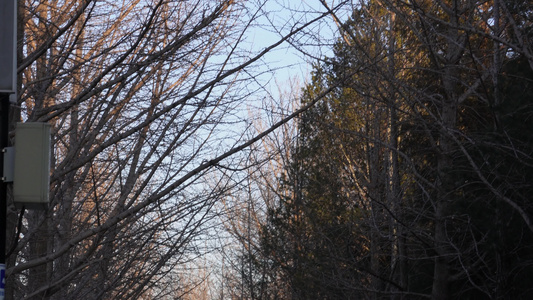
{"x": 249, "y": 274}
{"x": 144, "y": 98}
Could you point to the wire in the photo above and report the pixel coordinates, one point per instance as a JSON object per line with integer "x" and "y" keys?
{"x": 19, "y": 229}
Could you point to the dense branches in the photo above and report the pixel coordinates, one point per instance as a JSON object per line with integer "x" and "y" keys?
{"x": 140, "y": 96}
{"x": 408, "y": 180}
{"x": 403, "y": 173}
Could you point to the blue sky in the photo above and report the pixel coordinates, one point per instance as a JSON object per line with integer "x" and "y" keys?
{"x": 286, "y": 61}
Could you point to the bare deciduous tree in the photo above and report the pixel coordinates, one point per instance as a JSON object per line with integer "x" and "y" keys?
{"x": 144, "y": 98}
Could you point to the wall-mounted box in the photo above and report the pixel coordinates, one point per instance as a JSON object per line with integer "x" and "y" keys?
{"x": 31, "y": 180}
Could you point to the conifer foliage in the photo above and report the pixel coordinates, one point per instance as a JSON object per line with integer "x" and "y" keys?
{"x": 411, "y": 179}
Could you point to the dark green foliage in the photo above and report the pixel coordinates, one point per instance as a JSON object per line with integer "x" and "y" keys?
{"x": 418, "y": 167}
{"x": 315, "y": 233}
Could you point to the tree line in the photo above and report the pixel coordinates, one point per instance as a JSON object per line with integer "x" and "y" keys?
{"x": 411, "y": 178}
{"x": 145, "y": 100}
{"x": 401, "y": 170}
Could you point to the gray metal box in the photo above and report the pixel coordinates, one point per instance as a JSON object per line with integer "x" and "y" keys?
{"x": 32, "y": 165}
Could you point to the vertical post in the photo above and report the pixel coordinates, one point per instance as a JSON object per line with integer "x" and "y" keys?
{"x": 4, "y": 138}
{"x": 8, "y": 80}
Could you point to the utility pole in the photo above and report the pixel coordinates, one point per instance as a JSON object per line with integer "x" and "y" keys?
{"x": 8, "y": 13}
{"x": 4, "y": 132}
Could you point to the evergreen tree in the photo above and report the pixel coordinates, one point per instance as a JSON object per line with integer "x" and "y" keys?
{"x": 410, "y": 179}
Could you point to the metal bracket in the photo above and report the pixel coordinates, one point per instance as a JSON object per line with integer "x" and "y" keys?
{"x": 9, "y": 164}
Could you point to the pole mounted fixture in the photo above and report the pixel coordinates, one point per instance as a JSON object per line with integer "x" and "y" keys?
{"x": 8, "y": 46}
{"x": 32, "y": 165}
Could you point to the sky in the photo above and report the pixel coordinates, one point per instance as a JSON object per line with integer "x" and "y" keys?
{"x": 286, "y": 62}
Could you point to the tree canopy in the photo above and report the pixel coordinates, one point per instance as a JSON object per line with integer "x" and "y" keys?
{"x": 402, "y": 169}
{"x": 409, "y": 179}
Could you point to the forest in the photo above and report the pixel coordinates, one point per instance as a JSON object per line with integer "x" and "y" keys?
{"x": 399, "y": 168}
